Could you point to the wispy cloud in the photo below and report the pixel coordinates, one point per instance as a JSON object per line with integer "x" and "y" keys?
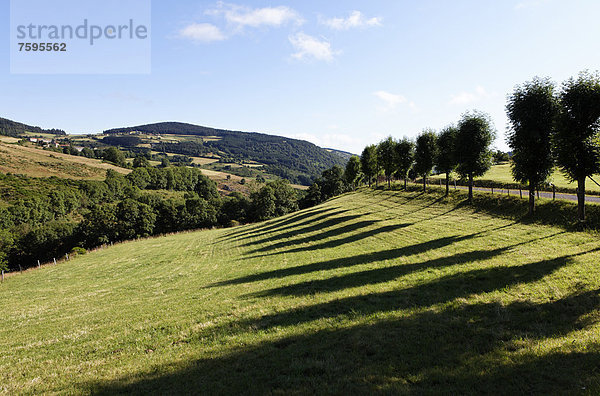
{"x": 241, "y": 16}
{"x": 391, "y": 101}
{"x": 464, "y": 97}
{"x": 202, "y": 33}
{"x": 356, "y": 19}
{"x": 311, "y": 48}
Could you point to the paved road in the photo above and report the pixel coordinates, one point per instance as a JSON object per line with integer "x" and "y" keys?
{"x": 543, "y": 194}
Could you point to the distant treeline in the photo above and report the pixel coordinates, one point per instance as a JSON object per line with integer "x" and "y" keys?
{"x": 15, "y": 129}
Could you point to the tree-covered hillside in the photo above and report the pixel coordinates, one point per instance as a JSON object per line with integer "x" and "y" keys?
{"x": 13, "y": 128}
{"x": 296, "y": 160}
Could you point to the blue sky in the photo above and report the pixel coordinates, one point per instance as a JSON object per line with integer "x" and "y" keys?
{"x": 341, "y": 74}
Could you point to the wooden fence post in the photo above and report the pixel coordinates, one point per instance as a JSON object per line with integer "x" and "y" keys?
{"x": 492, "y": 190}
{"x": 553, "y": 192}
{"x": 54, "y": 261}
{"x": 39, "y": 264}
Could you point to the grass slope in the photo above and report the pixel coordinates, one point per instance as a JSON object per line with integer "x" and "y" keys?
{"x": 29, "y": 161}
{"x": 372, "y": 292}
{"x": 502, "y": 174}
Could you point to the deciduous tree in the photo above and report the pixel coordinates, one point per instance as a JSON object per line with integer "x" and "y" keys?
{"x": 386, "y": 152}
{"x": 425, "y": 154}
{"x": 473, "y": 140}
{"x": 446, "y": 159}
{"x": 368, "y": 161}
{"x": 532, "y": 110}
{"x": 576, "y": 138}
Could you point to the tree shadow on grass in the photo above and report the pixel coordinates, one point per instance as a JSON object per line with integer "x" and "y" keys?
{"x": 386, "y": 274}
{"x": 442, "y": 290}
{"x": 313, "y": 226}
{"x": 294, "y": 220}
{"x": 340, "y": 241}
{"x": 347, "y": 261}
{"x": 470, "y": 349}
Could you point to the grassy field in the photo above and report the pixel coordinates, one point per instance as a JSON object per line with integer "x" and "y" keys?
{"x": 35, "y": 162}
{"x": 372, "y": 292}
{"x": 502, "y": 174}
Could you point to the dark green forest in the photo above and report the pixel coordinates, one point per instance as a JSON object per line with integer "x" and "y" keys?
{"x": 15, "y": 129}
{"x": 299, "y": 161}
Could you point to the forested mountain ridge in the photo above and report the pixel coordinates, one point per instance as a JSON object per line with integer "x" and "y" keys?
{"x": 293, "y": 159}
{"x": 14, "y": 129}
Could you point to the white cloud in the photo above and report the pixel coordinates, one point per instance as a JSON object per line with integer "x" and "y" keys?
{"x": 241, "y": 16}
{"x": 464, "y": 98}
{"x": 308, "y": 47}
{"x": 202, "y": 32}
{"x": 356, "y": 19}
{"x": 392, "y": 101}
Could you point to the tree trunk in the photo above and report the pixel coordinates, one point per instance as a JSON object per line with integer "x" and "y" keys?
{"x": 531, "y": 199}
{"x": 405, "y": 183}
{"x": 389, "y": 182}
{"x": 447, "y": 183}
{"x": 581, "y": 199}
{"x": 470, "y": 188}
{"x": 424, "y": 183}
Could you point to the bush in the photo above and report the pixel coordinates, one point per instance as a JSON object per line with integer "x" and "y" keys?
{"x": 77, "y": 251}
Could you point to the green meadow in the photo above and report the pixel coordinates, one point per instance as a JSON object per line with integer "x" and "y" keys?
{"x": 372, "y": 292}
{"x": 501, "y": 174}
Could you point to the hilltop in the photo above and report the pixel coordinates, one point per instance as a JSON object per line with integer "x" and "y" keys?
{"x": 296, "y": 160}
{"x": 371, "y": 292}
{"x": 243, "y": 154}
{"x": 14, "y": 129}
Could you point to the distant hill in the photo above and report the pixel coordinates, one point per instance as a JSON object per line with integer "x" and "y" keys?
{"x": 296, "y": 160}
{"x": 14, "y": 129}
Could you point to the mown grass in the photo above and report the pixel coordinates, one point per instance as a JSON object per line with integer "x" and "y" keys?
{"x": 372, "y": 292}
{"x": 501, "y": 174}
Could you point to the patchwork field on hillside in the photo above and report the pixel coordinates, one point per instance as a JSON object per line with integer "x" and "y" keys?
{"x": 371, "y": 292}
{"x": 35, "y": 162}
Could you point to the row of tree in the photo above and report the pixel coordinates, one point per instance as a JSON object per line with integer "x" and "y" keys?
{"x": 465, "y": 148}
{"x": 547, "y": 129}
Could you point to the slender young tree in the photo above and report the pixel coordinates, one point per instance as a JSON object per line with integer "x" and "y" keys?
{"x": 353, "y": 174}
{"x": 405, "y": 157}
{"x": 446, "y": 161}
{"x": 368, "y": 162}
{"x": 425, "y": 154}
{"x": 473, "y": 139}
{"x": 532, "y": 110}
{"x": 386, "y": 151}
{"x": 576, "y": 140}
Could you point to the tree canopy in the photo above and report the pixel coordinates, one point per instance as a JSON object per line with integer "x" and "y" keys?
{"x": 532, "y": 110}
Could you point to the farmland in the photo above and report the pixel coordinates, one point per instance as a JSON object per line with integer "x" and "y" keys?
{"x": 501, "y": 175}
{"x": 35, "y": 162}
{"x": 371, "y": 292}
